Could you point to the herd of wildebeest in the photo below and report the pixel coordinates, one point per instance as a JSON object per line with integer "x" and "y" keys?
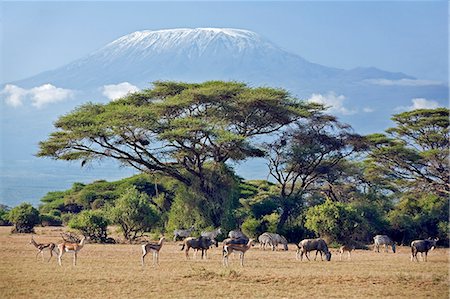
{"x": 240, "y": 243}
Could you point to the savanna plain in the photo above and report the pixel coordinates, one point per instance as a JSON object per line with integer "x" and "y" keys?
{"x": 107, "y": 271}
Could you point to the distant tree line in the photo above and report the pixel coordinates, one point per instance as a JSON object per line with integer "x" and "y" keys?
{"x": 325, "y": 180}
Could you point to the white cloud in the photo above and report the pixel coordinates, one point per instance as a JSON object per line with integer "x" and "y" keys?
{"x": 14, "y": 95}
{"x": 403, "y": 82}
{"x": 419, "y": 103}
{"x": 368, "y": 109}
{"x": 39, "y": 96}
{"x": 47, "y": 94}
{"x": 334, "y": 103}
{"x": 116, "y": 91}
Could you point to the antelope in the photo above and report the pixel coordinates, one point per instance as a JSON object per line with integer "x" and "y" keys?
{"x": 422, "y": 246}
{"x": 308, "y": 245}
{"x": 72, "y": 248}
{"x": 154, "y": 248}
{"x": 41, "y": 247}
{"x": 346, "y": 248}
{"x": 383, "y": 240}
{"x": 241, "y": 248}
{"x": 182, "y": 233}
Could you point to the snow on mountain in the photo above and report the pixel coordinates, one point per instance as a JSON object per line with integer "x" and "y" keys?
{"x": 194, "y": 55}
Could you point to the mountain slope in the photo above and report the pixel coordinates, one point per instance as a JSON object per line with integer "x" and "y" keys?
{"x": 194, "y": 55}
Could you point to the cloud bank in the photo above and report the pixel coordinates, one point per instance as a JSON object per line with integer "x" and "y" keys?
{"x": 333, "y": 102}
{"x": 403, "y": 82}
{"x": 116, "y": 91}
{"x": 39, "y": 96}
{"x": 419, "y": 103}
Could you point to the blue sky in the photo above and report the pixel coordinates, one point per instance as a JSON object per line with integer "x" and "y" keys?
{"x": 411, "y": 37}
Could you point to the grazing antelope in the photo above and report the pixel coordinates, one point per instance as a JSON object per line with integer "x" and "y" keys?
{"x": 182, "y": 233}
{"x": 422, "y": 246}
{"x": 241, "y": 248}
{"x": 70, "y": 248}
{"x": 153, "y": 248}
{"x": 348, "y": 249}
{"x": 384, "y": 240}
{"x": 308, "y": 245}
{"x": 41, "y": 247}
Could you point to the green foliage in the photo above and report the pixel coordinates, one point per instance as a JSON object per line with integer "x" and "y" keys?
{"x": 252, "y": 227}
{"x": 4, "y": 210}
{"x": 413, "y": 155}
{"x": 92, "y": 224}
{"x": 334, "y": 220}
{"x": 420, "y": 216}
{"x": 50, "y": 220}
{"x": 133, "y": 213}
{"x": 24, "y": 217}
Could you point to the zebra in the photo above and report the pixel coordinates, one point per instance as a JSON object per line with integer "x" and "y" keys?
{"x": 182, "y": 233}
{"x": 272, "y": 240}
{"x": 212, "y": 235}
{"x": 383, "y": 240}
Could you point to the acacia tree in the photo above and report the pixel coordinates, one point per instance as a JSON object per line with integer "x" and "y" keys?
{"x": 302, "y": 159}
{"x": 181, "y": 130}
{"x": 413, "y": 155}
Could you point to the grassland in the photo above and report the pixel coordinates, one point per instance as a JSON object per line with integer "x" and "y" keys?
{"x": 107, "y": 271}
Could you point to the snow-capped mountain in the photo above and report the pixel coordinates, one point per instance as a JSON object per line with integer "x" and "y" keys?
{"x": 194, "y": 55}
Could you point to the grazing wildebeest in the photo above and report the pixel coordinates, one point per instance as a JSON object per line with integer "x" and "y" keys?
{"x": 182, "y": 233}
{"x": 237, "y": 234}
{"x": 422, "y": 246}
{"x": 212, "y": 235}
{"x": 383, "y": 240}
{"x": 201, "y": 243}
{"x": 308, "y": 245}
{"x": 270, "y": 239}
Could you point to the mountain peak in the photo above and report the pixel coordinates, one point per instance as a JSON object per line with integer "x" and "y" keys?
{"x": 199, "y": 39}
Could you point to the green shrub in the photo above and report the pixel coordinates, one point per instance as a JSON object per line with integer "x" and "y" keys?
{"x": 50, "y": 220}
{"x": 4, "y": 211}
{"x": 133, "y": 213}
{"x": 92, "y": 224}
{"x": 24, "y": 217}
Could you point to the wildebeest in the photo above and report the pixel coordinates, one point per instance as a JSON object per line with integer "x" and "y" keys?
{"x": 422, "y": 246}
{"x": 182, "y": 233}
{"x": 212, "y": 235}
{"x": 237, "y": 234}
{"x": 201, "y": 243}
{"x": 308, "y": 245}
{"x": 270, "y": 239}
{"x": 383, "y": 240}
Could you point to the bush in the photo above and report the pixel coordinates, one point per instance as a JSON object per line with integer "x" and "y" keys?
{"x": 334, "y": 220}
{"x": 92, "y": 224}
{"x": 4, "y": 210}
{"x": 24, "y": 217}
{"x": 50, "y": 220}
{"x": 252, "y": 227}
{"x": 134, "y": 214}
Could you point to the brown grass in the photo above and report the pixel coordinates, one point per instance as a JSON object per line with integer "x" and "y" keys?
{"x": 107, "y": 271}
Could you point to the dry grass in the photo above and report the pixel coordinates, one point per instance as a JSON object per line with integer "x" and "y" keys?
{"x": 106, "y": 271}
